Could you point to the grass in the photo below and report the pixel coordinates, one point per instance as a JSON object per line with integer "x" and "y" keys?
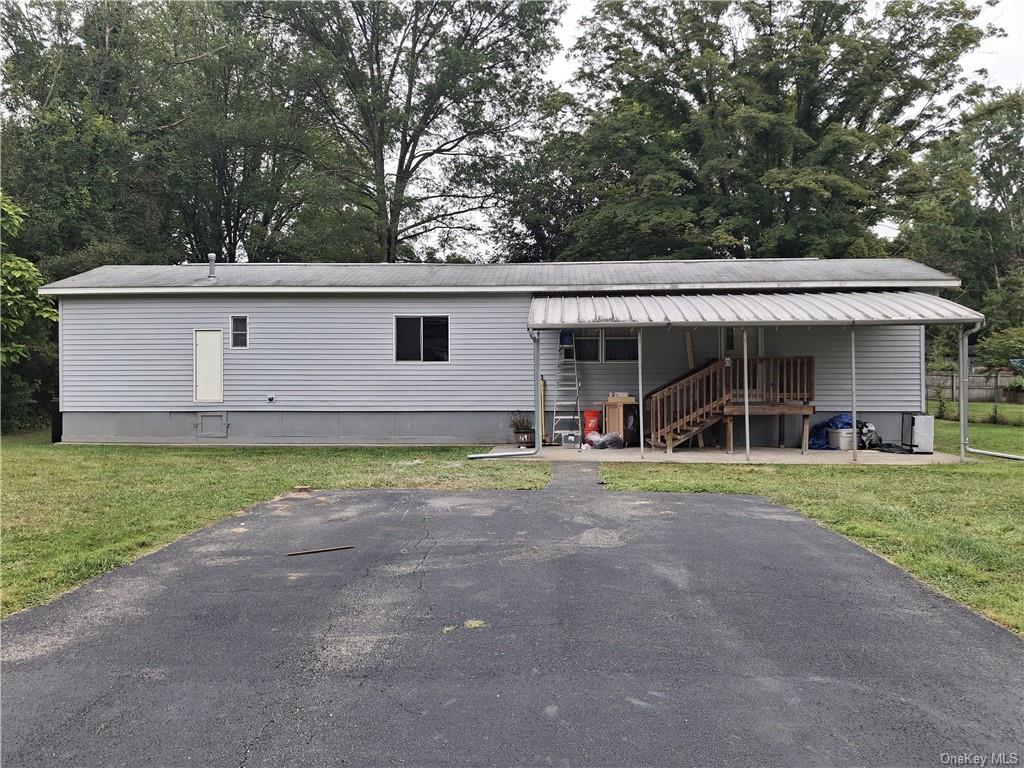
{"x": 1007, "y": 413}
{"x": 71, "y": 512}
{"x": 957, "y": 527}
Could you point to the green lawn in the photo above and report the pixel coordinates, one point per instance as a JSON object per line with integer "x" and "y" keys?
{"x": 1006, "y": 413}
{"x": 71, "y": 512}
{"x": 957, "y": 527}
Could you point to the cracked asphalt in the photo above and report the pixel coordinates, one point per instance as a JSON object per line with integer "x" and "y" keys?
{"x": 570, "y": 626}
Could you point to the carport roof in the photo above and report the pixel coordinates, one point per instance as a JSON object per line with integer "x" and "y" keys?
{"x": 723, "y": 309}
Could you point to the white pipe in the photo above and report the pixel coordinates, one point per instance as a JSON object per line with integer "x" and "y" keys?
{"x": 853, "y": 386}
{"x": 997, "y": 454}
{"x": 964, "y": 400}
{"x": 538, "y": 413}
{"x": 746, "y": 397}
{"x": 640, "y": 383}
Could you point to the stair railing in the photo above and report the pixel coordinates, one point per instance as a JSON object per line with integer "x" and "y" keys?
{"x": 684, "y": 403}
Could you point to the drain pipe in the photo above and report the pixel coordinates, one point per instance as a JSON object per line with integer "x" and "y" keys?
{"x": 965, "y": 400}
{"x": 538, "y": 414}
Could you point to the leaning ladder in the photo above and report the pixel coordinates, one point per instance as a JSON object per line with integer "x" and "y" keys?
{"x": 567, "y": 417}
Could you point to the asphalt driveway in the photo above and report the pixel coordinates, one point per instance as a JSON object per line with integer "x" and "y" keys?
{"x": 570, "y": 626}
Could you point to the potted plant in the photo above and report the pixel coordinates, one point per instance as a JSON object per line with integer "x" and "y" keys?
{"x": 1015, "y": 390}
{"x": 522, "y": 426}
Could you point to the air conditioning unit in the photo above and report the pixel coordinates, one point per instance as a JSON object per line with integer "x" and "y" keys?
{"x": 918, "y": 433}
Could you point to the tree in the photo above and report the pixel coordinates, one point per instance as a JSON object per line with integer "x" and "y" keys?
{"x": 998, "y": 349}
{"x": 25, "y": 326}
{"x": 411, "y": 92}
{"x": 962, "y": 209}
{"x": 734, "y": 129}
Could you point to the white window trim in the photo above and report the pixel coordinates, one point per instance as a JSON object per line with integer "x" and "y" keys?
{"x": 394, "y": 339}
{"x": 231, "y": 331}
{"x": 194, "y": 371}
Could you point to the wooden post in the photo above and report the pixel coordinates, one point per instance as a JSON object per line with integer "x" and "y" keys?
{"x": 690, "y": 363}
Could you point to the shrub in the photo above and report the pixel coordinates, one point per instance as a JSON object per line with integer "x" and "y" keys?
{"x": 997, "y": 349}
{"x": 520, "y": 421}
{"x": 1016, "y": 384}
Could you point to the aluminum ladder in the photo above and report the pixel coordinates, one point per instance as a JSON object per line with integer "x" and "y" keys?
{"x": 567, "y": 417}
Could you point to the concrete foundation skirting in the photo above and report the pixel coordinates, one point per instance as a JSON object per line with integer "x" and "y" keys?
{"x": 370, "y": 428}
{"x": 288, "y": 427}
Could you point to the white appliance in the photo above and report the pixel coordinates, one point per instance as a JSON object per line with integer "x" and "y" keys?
{"x": 918, "y": 432}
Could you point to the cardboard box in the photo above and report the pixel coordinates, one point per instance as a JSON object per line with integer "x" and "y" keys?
{"x": 621, "y": 397}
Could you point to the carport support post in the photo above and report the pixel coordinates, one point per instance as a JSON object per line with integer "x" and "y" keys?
{"x": 746, "y": 397}
{"x": 965, "y": 388}
{"x": 853, "y": 386}
{"x": 640, "y": 383}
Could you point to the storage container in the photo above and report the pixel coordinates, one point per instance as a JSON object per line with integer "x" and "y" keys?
{"x": 571, "y": 440}
{"x": 841, "y": 439}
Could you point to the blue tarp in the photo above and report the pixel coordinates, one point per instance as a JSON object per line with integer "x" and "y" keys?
{"x": 819, "y": 432}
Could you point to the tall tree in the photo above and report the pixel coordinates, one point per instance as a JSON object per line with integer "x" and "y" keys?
{"x": 27, "y": 352}
{"x": 962, "y": 208}
{"x": 412, "y": 92}
{"x": 757, "y": 129}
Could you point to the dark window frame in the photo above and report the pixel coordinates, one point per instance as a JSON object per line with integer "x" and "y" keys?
{"x": 422, "y": 339}
{"x": 620, "y": 333}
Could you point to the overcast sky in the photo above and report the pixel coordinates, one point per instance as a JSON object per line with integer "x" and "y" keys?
{"x": 1002, "y": 57}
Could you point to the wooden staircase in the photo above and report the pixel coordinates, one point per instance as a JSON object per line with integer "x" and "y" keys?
{"x": 685, "y": 407}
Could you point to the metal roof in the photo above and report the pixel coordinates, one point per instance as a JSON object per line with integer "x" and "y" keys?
{"x": 552, "y": 277}
{"x": 868, "y": 308}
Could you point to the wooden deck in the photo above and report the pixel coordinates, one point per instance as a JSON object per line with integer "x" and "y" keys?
{"x": 782, "y": 410}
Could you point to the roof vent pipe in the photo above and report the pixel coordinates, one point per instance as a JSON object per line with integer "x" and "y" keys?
{"x": 212, "y": 258}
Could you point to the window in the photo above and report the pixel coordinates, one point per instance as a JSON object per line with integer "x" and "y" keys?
{"x": 239, "y": 331}
{"x": 620, "y": 346}
{"x": 588, "y": 346}
{"x": 421, "y": 339}
{"x": 610, "y": 346}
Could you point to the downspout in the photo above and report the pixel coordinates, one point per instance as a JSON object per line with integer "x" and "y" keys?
{"x": 538, "y": 412}
{"x": 965, "y": 399}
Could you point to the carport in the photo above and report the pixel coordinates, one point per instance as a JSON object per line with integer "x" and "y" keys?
{"x": 745, "y": 311}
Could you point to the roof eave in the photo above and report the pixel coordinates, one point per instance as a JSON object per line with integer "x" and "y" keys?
{"x": 54, "y": 289}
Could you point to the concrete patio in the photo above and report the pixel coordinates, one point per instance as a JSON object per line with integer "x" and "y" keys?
{"x": 720, "y": 456}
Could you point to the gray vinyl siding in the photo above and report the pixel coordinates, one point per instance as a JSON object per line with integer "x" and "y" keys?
{"x": 311, "y": 352}
{"x": 336, "y": 353}
{"x": 890, "y": 373}
{"x": 664, "y": 353}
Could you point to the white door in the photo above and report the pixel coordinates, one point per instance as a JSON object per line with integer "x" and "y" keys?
{"x": 209, "y": 366}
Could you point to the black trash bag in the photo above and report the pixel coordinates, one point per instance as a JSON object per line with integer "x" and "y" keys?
{"x": 869, "y": 437}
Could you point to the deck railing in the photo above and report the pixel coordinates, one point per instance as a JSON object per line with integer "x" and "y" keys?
{"x": 773, "y": 379}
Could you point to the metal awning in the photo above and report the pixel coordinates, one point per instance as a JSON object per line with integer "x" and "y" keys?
{"x": 749, "y": 309}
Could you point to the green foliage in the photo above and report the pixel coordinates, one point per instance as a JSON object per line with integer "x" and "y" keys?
{"x": 26, "y": 325}
{"x": 744, "y": 129}
{"x": 1016, "y": 384}
{"x": 997, "y": 349}
{"x": 417, "y": 100}
{"x": 962, "y": 208}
